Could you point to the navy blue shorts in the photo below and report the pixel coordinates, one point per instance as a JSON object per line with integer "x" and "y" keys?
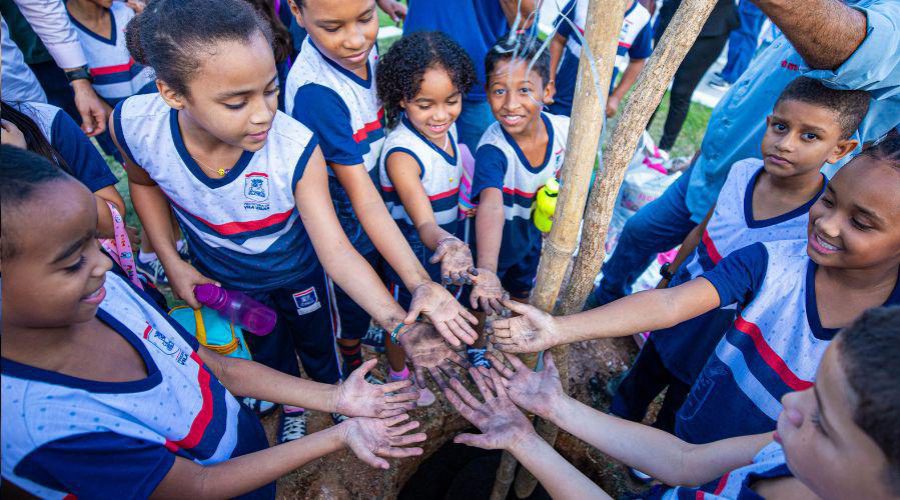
{"x": 303, "y": 329}
{"x": 518, "y": 278}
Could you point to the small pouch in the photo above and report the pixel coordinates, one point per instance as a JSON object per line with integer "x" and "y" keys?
{"x": 212, "y": 331}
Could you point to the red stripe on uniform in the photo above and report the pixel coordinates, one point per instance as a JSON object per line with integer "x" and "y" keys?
{"x": 147, "y": 331}
{"x": 771, "y": 357}
{"x": 445, "y": 194}
{"x": 625, "y": 45}
{"x": 361, "y": 134}
{"x": 711, "y": 249}
{"x": 201, "y": 421}
{"x": 518, "y": 193}
{"x": 108, "y": 70}
{"x": 232, "y": 228}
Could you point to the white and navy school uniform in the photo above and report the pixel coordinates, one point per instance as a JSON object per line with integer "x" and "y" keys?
{"x": 68, "y": 437}
{"x": 635, "y": 42}
{"x": 769, "y": 463}
{"x": 82, "y": 158}
{"x": 244, "y": 229}
{"x": 440, "y": 175}
{"x": 501, "y": 164}
{"x": 116, "y": 74}
{"x": 344, "y": 112}
{"x": 774, "y": 346}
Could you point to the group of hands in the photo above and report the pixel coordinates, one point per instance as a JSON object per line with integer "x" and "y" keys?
{"x": 382, "y": 428}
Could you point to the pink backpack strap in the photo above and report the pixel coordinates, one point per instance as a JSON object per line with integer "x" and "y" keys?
{"x": 119, "y": 246}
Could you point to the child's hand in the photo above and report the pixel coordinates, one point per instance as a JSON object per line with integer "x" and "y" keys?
{"x": 427, "y": 350}
{"x": 487, "y": 292}
{"x": 183, "y": 278}
{"x": 502, "y": 425}
{"x": 536, "y": 392}
{"x": 371, "y": 438}
{"x": 12, "y": 136}
{"x": 452, "y": 320}
{"x": 357, "y": 398}
{"x": 456, "y": 261}
{"x": 532, "y": 331}
{"x": 136, "y": 5}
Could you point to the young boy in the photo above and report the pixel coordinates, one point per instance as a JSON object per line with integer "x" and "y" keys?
{"x": 762, "y": 200}
{"x": 790, "y": 304}
{"x": 104, "y": 395}
{"x": 635, "y": 46}
{"x": 515, "y": 158}
{"x": 833, "y": 441}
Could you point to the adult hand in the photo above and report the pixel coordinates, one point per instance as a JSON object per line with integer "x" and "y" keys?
{"x": 456, "y": 261}
{"x": 427, "y": 350}
{"x": 612, "y": 106}
{"x": 371, "y": 438}
{"x": 532, "y": 331}
{"x": 487, "y": 292}
{"x": 395, "y": 9}
{"x": 93, "y": 110}
{"x": 452, "y": 320}
{"x": 536, "y": 392}
{"x": 502, "y": 425}
{"x": 11, "y": 135}
{"x": 183, "y": 278}
{"x": 357, "y": 398}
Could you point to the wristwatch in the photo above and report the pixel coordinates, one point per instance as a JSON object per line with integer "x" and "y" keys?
{"x": 80, "y": 73}
{"x": 664, "y": 271}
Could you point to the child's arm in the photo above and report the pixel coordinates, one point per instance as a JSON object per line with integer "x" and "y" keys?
{"x": 687, "y": 247}
{"x": 629, "y": 76}
{"x": 368, "y": 438}
{"x": 489, "y": 223}
{"x": 104, "y": 217}
{"x": 429, "y": 298}
{"x": 354, "y": 397}
{"x": 557, "y": 47}
{"x": 503, "y": 426}
{"x": 536, "y": 330}
{"x": 453, "y": 254}
{"x": 153, "y": 209}
{"x": 650, "y": 450}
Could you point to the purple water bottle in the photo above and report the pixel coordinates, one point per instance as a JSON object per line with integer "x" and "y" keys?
{"x": 237, "y": 307}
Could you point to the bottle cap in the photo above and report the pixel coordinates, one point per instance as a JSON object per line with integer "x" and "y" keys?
{"x": 209, "y": 294}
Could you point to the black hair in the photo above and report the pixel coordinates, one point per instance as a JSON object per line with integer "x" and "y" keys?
{"x": 519, "y": 46}
{"x": 886, "y": 149}
{"x": 21, "y": 172}
{"x": 282, "y": 44}
{"x": 402, "y": 69}
{"x": 868, "y": 351}
{"x": 850, "y": 106}
{"x": 172, "y": 36}
{"x": 34, "y": 136}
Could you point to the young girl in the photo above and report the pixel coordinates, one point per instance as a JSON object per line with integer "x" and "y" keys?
{"x": 835, "y": 440}
{"x": 332, "y": 90}
{"x": 421, "y": 81}
{"x": 105, "y": 396}
{"x": 792, "y": 296}
{"x": 247, "y": 183}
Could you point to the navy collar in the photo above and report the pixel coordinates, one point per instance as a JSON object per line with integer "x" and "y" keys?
{"x": 153, "y": 378}
{"x": 192, "y": 164}
{"x": 812, "y": 308}
{"x": 748, "y": 205}
{"x": 522, "y": 158}
{"x": 365, "y": 83}
{"x": 450, "y": 159}
{"x": 112, "y": 28}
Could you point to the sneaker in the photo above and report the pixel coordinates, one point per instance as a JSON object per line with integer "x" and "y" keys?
{"x": 374, "y": 338}
{"x": 337, "y": 418}
{"x": 153, "y": 271}
{"x": 292, "y": 426}
{"x": 477, "y": 357}
{"x": 719, "y": 83}
{"x": 261, "y": 408}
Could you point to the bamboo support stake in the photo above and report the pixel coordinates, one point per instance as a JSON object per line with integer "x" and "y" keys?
{"x": 604, "y": 22}
{"x": 652, "y": 83}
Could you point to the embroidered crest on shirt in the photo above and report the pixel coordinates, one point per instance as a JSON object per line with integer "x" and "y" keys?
{"x": 256, "y": 189}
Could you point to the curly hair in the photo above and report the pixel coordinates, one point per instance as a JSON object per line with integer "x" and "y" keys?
{"x": 402, "y": 68}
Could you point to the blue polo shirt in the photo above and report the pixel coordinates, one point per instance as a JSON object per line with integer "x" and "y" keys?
{"x": 738, "y": 123}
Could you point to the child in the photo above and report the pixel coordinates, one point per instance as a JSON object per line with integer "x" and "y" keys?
{"x": 421, "y": 82}
{"x": 837, "y": 439}
{"x": 332, "y": 90}
{"x": 635, "y": 46}
{"x": 515, "y": 157}
{"x": 104, "y": 395}
{"x": 247, "y": 184}
{"x": 762, "y": 200}
{"x": 790, "y": 304}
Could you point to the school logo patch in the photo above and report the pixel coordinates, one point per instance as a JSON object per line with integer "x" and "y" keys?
{"x": 256, "y": 186}
{"x": 307, "y": 301}
{"x": 166, "y": 345}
